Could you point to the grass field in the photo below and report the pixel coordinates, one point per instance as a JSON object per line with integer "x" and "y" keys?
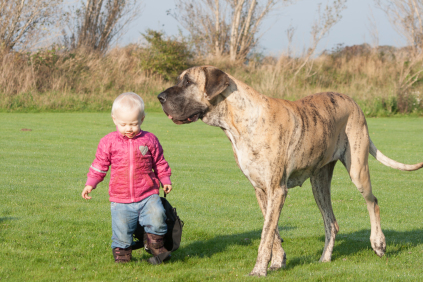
{"x": 49, "y": 233}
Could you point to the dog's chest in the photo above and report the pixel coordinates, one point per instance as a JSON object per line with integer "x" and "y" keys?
{"x": 251, "y": 167}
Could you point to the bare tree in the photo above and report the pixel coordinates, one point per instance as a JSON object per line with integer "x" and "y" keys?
{"x": 321, "y": 27}
{"x": 205, "y": 21}
{"x": 406, "y": 18}
{"x": 99, "y": 22}
{"x": 224, "y": 27}
{"x": 246, "y": 19}
{"x": 24, "y": 22}
{"x": 373, "y": 30}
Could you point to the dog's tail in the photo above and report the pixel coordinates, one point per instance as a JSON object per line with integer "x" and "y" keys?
{"x": 389, "y": 162}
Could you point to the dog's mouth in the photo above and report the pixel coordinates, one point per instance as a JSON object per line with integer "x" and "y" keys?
{"x": 191, "y": 118}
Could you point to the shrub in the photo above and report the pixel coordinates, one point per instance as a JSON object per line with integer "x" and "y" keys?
{"x": 166, "y": 57}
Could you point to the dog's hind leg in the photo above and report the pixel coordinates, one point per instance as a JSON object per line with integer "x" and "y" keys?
{"x": 358, "y": 168}
{"x": 278, "y": 254}
{"x": 320, "y": 183}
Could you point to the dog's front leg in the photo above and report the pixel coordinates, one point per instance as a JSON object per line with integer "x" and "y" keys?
{"x": 278, "y": 253}
{"x": 275, "y": 200}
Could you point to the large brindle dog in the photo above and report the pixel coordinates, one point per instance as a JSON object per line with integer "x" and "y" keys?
{"x": 278, "y": 144}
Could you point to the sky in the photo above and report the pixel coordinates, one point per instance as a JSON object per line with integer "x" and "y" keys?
{"x": 354, "y": 28}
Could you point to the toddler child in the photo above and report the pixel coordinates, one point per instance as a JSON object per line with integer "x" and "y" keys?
{"x": 137, "y": 169}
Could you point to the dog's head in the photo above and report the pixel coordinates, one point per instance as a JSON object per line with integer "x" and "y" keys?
{"x": 192, "y": 96}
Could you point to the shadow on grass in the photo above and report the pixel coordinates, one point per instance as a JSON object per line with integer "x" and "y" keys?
{"x": 218, "y": 244}
{"x": 7, "y": 218}
{"x": 347, "y": 245}
{"x": 209, "y": 247}
{"x": 350, "y": 244}
{"x": 396, "y": 241}
{"x": 4, "y": 224}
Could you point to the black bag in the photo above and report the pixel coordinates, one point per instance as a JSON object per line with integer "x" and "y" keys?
{"x": 172, "y": 238}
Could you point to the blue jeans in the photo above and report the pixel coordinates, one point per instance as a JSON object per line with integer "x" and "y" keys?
{"x": 149, "y": 213}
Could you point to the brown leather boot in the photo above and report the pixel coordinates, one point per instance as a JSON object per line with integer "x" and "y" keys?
{"x": 122, "y": 255}
{"x": 145, "y": 242}
{"x": 156, "y": 246}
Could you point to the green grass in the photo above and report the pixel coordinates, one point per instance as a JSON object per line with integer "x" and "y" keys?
{"x": 59, "y": 102}
{"x": 49, "y": 233}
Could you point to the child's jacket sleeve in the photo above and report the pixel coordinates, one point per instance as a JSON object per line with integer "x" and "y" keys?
{"x": 160, "y": 166}
{"x": 100, "y": 165}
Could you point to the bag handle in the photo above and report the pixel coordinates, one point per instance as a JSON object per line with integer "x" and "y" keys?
{"x": 164, "y": 193}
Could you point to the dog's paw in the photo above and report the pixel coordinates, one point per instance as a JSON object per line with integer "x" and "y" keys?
{"x": 258, "y": 272}
{"x": 278, "y": 263}
{"x": 276, "y": 267}
{"x": 379, "y": 250}
{"x": 379, "y": 246}
{"x": 325, "y": 258}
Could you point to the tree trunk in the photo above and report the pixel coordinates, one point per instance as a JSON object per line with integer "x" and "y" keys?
{"x": 233, "y": 44}
{"x": 218, "y": 51}
{"x": 246, "y": 34}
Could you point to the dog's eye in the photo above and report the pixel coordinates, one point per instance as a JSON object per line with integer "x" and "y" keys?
{"x": 187, "y": 82}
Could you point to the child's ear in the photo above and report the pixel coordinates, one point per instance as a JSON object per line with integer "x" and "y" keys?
{"x": 114, "y": 120}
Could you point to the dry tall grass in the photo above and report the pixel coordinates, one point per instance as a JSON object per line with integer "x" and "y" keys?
{"x": 369, "y": 76}
{"x": 58, "y": 80}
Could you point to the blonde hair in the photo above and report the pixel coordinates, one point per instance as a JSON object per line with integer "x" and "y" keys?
{"x": 128, "y": 101}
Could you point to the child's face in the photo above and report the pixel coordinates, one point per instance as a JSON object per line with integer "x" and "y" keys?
{"x": 128, "y": 123}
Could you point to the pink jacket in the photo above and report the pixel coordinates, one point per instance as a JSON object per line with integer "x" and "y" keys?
{"x": 133, "y": 160}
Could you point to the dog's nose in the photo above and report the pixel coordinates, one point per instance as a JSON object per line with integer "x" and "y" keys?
{"x": 162, "y": 97}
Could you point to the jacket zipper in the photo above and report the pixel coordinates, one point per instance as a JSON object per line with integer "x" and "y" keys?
{"x": 131, "y": 170}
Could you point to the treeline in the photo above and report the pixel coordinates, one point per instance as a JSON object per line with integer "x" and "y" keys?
{"x": 80, "y": 70}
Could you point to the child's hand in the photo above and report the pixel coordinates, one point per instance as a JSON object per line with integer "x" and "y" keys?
{"x": 167, "y": 188}
{"x": 86, "y": 191}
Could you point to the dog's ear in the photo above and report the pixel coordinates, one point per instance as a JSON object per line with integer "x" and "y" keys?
{"x": 216, "y": 82}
